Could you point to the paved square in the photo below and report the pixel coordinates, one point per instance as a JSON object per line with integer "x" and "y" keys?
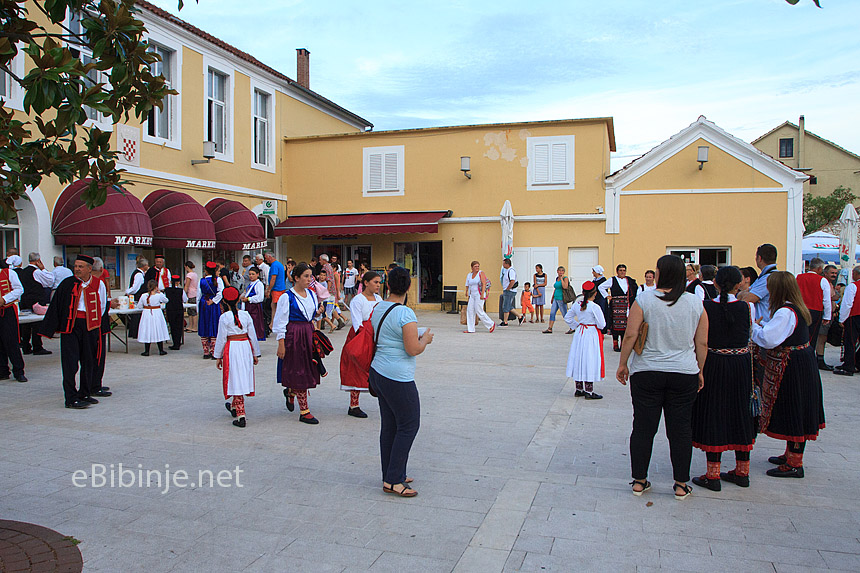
{"x": 513, "y": 472}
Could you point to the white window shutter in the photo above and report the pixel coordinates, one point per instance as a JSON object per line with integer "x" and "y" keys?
{"x": 559, "y": 163}
{"x": 375, "y": 171}
{"x": 391, "y": 171}
{"x": 541, "y": 163}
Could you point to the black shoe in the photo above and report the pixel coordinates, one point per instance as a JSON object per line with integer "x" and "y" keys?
{"x": 785, "y": 472}
{"x": 89, "y": 400}
{"x": 5, "y": 377}
{"x": 309, "y": 419}
{"x": 77, "y": 405}
{"x": 731, "y": 476}
{"x": 777, "y": 460}
{"x": 291, "y": 402}
{"x": 711, "y": 484}
{"x": 26, "y": 351}
{"x": 521, "y": 319}
{"x": 230, "y": 409}
{"x": 144, "y": 353}
{"x": 105, "y": 388}
{"x": 822, "y": 365}
{"x": 205, "y": 357}
{"x": 840, "y": 372}
{"x": 503, "y": 324}
{"x": 173, "y": 348}
{"x": 593, "y": 396}
{"x": 41, "y": 352}
{"x": 240, "y": 422}
{"x": 21, "y": 378}
{"x": 357, "y": 412}
{"x": 162, "y": 352}
{"x": 579, "y": 393}
{"x": 102, "y": 393}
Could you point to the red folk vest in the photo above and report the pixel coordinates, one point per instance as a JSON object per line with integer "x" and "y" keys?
{"x": 92, "y": 308}
{"x": 5, "y": 287}
{"x": 810, "y": 289}
{"x": 855, "y": 308}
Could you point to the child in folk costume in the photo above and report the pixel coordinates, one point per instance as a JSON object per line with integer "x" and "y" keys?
{"x": 585, "y": 363}
{"x": 209, "y": 308}
{"x": 252, "y": 301}
{"x": 153, "y": 327}
{"x": 236, "y": 351}
{"x": 176, "y": 297}
{"x": 360, "y": 309}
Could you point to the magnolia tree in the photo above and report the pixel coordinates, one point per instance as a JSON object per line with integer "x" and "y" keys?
{"x": 100, "y": 64}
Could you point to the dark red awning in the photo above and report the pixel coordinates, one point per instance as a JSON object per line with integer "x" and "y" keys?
{"x": 236, "y": 227}
{"x": 362, "y": 224}
{"x": 178, "y": 221}
{"x": 121, "y": 220}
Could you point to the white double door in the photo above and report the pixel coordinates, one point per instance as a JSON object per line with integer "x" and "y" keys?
{"x": 524, "y": 260}
{"x": 580, "y": 261}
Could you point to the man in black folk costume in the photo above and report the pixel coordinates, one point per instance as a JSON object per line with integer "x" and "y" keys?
{"x": 620, "y": 293}
{"x": 11, "y": 290}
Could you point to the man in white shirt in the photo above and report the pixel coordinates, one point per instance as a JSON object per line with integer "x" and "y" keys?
{"x": 849, "y": 316}
{"x": 508, "y": 278}
{"x": 260, "y": 261}
{"x": 60, "y": 272}
{"x": 815, "y": 290}
{"x": 11, "y": 290}
{"x": 37, "y": 284}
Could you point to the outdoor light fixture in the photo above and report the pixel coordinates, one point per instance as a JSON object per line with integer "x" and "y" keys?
{"x": 208, "y": 153}
{"x": 703, "y": 156}
{"x": 466, "y": 166}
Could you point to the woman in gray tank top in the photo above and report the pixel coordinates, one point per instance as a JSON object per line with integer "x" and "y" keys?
{"x": 667, "y": 375}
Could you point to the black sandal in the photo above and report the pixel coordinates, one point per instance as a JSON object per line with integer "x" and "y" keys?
{"x": 646, "y": 485}
{"x": 405, "y": 492}
{"x": 686, "y": 489}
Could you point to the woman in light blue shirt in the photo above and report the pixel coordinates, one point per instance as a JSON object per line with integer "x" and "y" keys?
{"x": 392, "y": 377}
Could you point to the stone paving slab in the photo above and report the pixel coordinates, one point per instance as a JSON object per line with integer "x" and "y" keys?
{"x": 513, "y": 473}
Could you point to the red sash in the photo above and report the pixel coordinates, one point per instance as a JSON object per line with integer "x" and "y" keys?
{"x": 582, "y": 329}
{"x": 164, "y": 275}
{"x": 225, "y": 360}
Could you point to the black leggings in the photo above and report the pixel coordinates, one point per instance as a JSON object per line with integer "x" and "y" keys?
{"x": 717, "y": 456}
{"x": 148, "y": 345}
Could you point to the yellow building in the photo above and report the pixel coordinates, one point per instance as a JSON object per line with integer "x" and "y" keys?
{"x": 226, "y": 97}
{"x": 828, "y": 165}
{"x": 401, "y": 196}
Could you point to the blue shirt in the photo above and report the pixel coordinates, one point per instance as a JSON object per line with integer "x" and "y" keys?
{"x": 277, "y": 270}
{"x": 391, "y": 359}
{"x": 759, "y": 288}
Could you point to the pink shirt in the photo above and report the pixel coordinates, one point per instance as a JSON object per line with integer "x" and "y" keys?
{"x": 192, "y": 288}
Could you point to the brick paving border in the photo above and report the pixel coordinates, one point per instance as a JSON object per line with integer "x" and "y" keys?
{"x": 36, "y": 549}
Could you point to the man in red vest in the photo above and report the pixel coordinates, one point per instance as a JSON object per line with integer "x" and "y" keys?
{"x": 849, "y": 316}
{"x": 11, "y": 290}
{"x": 815, "y": 289}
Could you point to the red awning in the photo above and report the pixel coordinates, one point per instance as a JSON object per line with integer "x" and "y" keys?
{"x": 178, "y": 221}
{"x": 236, "y": 227}
{"x": 120, "y": 220}
{"x": 362, "y": 224}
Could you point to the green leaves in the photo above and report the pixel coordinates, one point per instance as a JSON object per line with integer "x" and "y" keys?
{"x": 819, "y": 211}
{"x": 793, "y": 2}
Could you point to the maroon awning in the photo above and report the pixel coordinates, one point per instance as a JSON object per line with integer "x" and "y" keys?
{"x": 362, "y": 224}
{"x": 120, "y": 220}
{"x": 236, "y": 227}
{"x": 178, "y": 221}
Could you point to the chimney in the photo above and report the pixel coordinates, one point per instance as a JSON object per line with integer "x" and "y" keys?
{"x": 801, "y": 141}
{"x": 303, "y": 67}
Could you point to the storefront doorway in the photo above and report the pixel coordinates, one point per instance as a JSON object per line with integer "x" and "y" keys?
{"x": 356, "y": 253}
{"x": 424, "y": 262}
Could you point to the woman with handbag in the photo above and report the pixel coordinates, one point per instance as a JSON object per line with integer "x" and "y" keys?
{"x": 558, "y": 304}
{"x": 360, "y": 308}
{"x": 722, "y": 416}
{"x": 668, "y": 373}
{"x": 477, "y": 289}
{"x": 585, "y": 362}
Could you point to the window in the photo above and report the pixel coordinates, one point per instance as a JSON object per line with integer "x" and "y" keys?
{"x": 786, "y": 147}
{"x": 94, "y": 76}
{"x": 383, "y": 170}
{"x": 261, "y": 127}
{"x": 5, "y": 84}
{"x": 216, "y": 109}
{"x": 717, "y": 256}
{"x": 813, "y": 180}
{"x": 10, "y": 90}
{"x": 550, "y": 162}
{"x": 160, "y": 121}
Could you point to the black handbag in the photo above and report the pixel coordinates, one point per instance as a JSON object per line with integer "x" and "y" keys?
{"x": 834, "y": 335}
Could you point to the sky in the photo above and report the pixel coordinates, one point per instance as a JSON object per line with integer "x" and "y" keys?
{"x": 654, "y": 66}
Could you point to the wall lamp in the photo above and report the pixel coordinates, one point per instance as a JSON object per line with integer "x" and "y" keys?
{"x": 466, "y": 166}
{"x": 208, "y": 153}
{"x": 703, "y": 156}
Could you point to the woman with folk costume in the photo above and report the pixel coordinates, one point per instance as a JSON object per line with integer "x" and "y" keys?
{"x": 236, "y": 351}
{"x": 153, "y": 327}
{"x": 620, "y": 293}
{"x": 252, "y": 302}
{"x": 293, "y": 324}
{"x": 76, "y": 313}
{"x": 209, "y": 308}
{"x": 360, "y": 309}
{"x": 791, "y": 408}
{"x": 722, "y": 419}
{"x": 585, "y": 362}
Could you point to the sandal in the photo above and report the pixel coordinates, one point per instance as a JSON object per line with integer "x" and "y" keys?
{"x": 405, "y": 492}
{"x": 547, "y": 331}
{"x": 685, "y": 489}
{"x": 646, "y": 485}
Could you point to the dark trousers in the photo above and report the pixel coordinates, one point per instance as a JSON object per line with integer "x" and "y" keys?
{"x": 79, "y": 349}
{"x": 176, "y": 320}
{"x": 10, "y": 351}
{"x": 30, "y": 339}
{"x": 815, "y": 326}
{"x": 133, "y": 325}
{"x": 99, "y": 365}
{"x": 267, "y": 315}
{"x": 400, "y": 413}
{"x": 850, "y": 339}
{"x": 674, "y": 395}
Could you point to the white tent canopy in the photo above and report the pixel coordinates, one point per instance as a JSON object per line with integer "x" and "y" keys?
{"x": 825, "y": 246}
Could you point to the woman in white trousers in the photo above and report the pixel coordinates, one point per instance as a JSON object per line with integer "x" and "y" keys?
{"x": 476, "y": 290}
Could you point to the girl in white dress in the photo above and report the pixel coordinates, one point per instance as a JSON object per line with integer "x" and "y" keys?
{"x": 476, "y": 290}
{"x": 236, "y": 351}
{"x": 153, "y": 326}
{"x": 360, "y": 309}
{"x": 585, "y": 363}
